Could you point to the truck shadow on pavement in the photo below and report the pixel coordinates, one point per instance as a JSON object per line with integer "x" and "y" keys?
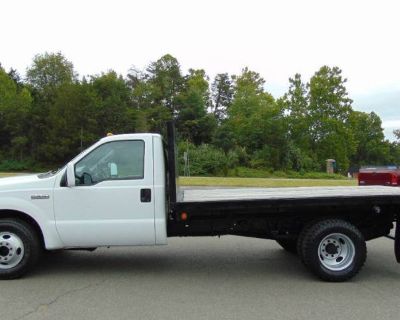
{"x": 216, "y": 262}
{"x": 131, "y": 261}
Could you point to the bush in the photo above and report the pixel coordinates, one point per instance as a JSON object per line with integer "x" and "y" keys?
{"x": 206, "y": 160}
{"x": 14, "y": 165}
{"x": 315, "y": 175}
{"x": 244, "y": 172}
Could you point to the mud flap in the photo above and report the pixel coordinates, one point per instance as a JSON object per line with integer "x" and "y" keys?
{"x": 397, "y": 242}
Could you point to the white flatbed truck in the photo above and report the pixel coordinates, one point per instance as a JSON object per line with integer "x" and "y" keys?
{"x": 122, "y": 191}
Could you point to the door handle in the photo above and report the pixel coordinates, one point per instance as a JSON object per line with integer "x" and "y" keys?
{"x": 145, "y": 195}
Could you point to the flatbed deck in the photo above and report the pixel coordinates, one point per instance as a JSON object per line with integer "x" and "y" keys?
{"x": 208, "y": 194}
{"x": 271, "y": 211}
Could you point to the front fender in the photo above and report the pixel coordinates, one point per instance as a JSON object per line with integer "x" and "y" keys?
{"x": 39, "y": 210}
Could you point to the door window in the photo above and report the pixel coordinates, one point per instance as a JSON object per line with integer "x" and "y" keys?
{"x": 111, "y": 161}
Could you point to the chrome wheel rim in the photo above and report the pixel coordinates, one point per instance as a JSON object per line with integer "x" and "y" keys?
{"x": 336, "y": 252}
{"x": 11, "y": 250}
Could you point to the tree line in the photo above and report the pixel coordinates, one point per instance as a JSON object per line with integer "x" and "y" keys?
{"x": 224, "y": 123}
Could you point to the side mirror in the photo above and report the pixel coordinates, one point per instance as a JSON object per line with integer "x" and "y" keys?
{"x": 70, "y": 175}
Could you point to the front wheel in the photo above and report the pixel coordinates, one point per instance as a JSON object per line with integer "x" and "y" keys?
{"x": 19, "y": 248}
{"x": 334, "y": 250}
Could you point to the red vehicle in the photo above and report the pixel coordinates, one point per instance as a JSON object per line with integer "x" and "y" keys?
{"x": 383, "y": 176}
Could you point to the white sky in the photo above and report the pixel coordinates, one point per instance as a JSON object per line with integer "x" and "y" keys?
{"x": 275, "y": 38}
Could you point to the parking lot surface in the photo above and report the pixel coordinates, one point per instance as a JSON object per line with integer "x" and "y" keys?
{"x": 200, "y": 278}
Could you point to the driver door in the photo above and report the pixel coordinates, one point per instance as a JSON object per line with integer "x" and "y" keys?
{"x": 106, "y": 206}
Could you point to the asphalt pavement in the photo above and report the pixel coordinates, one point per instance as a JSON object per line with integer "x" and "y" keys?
{"x": 200, "y": 278}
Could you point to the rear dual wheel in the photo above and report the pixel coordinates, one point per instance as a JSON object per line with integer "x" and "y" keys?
{"x": 334, "y": 250}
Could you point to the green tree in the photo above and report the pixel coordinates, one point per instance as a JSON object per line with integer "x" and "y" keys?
{"x": 296, "y": 108}
{"x": 50, "y": 70}
{"x": 165, "y": 79}
{"x": 193, "y": 122}
{"x": 72, "y": 123}
{"x": 15, "y": 106}
{"x": 52, "y": 115}
{"x": 14, "y": 75}
{"x": 295, "y": 105}
{"x": 371, "y": 147}
{"x": 329, "y": 113}
{"x": 113, "y": 99}
{"x": 397, "y": 133}
{"x": 394, "y": 153}
{"x": 394, "y": 147}
{"x": 155, "y": 93}
{"x": 222, "y": 95}
{"x": 256, "y": 121}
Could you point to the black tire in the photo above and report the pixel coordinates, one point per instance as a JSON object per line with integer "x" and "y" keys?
{"x": 300, "y": 241}
{"x": 31, "y": 247}
{"x": 290, "y": 245}
{"x": 345, "y": 257}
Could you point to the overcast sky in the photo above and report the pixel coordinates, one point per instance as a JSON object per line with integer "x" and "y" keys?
{"x": 275, "y": 38}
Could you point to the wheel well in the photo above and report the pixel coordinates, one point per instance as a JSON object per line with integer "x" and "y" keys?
{"x": 370, "y": 229}
{"x": 14, "y": 214}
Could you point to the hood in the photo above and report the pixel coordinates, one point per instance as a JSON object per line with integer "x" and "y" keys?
{"x": 25, "y": 182}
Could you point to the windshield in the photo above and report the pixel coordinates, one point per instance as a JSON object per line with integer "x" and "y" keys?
{"x": 53, "y": 172}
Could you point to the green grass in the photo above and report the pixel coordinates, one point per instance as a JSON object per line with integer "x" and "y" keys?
{"x": 263, "y": 182}
{"x": 10, "y": 174}
{"x": 247, "y": 182}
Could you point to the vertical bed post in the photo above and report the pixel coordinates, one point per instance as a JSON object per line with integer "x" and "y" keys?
{"x": 171, "y": 165}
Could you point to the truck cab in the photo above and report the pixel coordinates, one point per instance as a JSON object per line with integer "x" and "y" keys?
{"x": 113, "y": 194}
